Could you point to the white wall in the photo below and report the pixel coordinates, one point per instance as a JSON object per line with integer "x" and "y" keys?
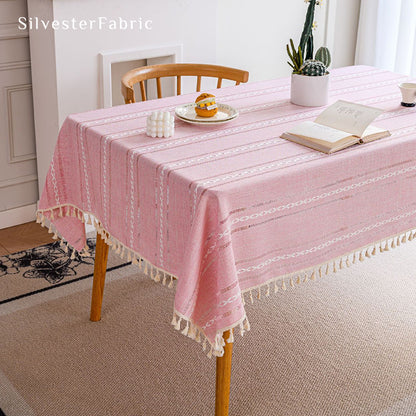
{"x": 241, "y": 33}
{"x": 253, "y": 34}
{"x": 345, "y": 32}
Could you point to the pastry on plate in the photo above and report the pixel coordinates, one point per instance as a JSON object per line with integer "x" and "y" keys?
{"x": 205, "y": 105}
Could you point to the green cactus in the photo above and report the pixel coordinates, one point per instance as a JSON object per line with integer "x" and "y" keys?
{"x": 313, "y": 68}
{"x": 295, "y": 57}
{"x": 304, "y": 52}
{"x": 323, "y": 55}
{"x": 306, "y": 38}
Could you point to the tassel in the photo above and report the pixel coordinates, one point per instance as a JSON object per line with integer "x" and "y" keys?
{"x": 134, "y": 261}
{"x": 243, "y": 301}
{"x": 367, "y": 253}
{"x": 283, "y": 285}
{"x": 174, "y": 322}
{"x": 320, "y": 271}
{"x": 340, "y": 264}
{"x": 327, "y": 269}
{"x": 204, "y": 345}
{"x": 178, "y": 324}
{"x": 145, "y": 266}
{"x": 361, "y": 257}
{"x": 386, "y": 247}
{"x": 73, "y": 255}
{"x": 230, "y": 339}
{"x": 291, "y": 282}
{"x": 313, "y": 276}
{"x": 60, "y": 212}
{"x": 374, "y": 251}
{"x": 404, "y": 238}
{"x": 198, "y": 336}
{"x": 171, "y": 282}
{"x": 50, "y": 229}
{"x": 89, "y": 222}
{"x": 334, "y": 268}
{"x": 186, "y": 329}
{"x": 157, "y": 277}
{"x": 66, "y": 248}
{"x": 164, "y": 279}
{"x": 398, "y": 242}
{"x": 298, "y": 280}
{"x": 251, "y": 297}
{"x": 246, "y": 324}
{"x": 55, "y": 236}
{"x": 354, "y": 259}
{"x": 347, "y": 263}
{"x": 268, "y": 291}
{"x": 210, "y": 352}
{"x": 52, "y": 216}
{"x": 276, "y": 288}
{"x": 192, "y": 331}
{"x": 242, "y": 329}
{"x": 259, "y": 293}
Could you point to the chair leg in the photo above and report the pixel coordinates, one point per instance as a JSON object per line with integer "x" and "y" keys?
{"x": 223, "y": 379}
{"x": 100, "y": 268}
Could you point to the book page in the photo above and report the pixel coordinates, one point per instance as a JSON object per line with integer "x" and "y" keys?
{"x": 350, "y": 117}
{"x": 318, "y": 131}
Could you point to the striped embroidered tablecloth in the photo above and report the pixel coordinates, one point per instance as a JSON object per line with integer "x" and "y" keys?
{"x": 233, "y": 211}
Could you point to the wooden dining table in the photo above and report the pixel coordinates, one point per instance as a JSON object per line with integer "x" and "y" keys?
{"x": 225, "y": 213}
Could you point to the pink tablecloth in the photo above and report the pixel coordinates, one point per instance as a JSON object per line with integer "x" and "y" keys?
{"x": 234, "y": 211}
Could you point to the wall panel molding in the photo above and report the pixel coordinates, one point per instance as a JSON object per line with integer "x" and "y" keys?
{"x": 12, "y": 31}
{"x": 10, "y": 66}
{"x": 9, "y": 91}
{"x": 18, "y": 181}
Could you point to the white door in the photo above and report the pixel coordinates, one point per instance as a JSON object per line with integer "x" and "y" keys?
{"x": 18, "y": 176}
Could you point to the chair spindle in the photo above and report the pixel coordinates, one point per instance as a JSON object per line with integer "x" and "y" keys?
{"x": 159, "y": 88}
{"x": 143, "y": 91}
{"x": 178, "y": 85}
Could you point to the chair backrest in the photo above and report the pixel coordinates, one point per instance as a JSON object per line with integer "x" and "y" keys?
{"x": 139, "y": 75}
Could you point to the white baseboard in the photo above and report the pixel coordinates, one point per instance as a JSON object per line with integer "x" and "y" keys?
{"x": 17, "y": 216}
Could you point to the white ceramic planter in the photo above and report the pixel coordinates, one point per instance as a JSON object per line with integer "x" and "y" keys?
{"x": 309, "y": 91}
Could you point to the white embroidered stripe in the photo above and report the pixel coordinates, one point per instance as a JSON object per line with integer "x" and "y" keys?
{"x": 54, "y": 183}
{"x": 400, "y": 132}
{"x": 323, "y": 195}
{"x": 236, "y": 96}
{"x": 326, "y": 244}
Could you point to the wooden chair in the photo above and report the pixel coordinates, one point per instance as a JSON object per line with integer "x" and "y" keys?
{"x": 140, "y": 75}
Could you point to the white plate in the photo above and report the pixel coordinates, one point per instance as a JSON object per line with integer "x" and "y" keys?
{"x": 224, "y": 114}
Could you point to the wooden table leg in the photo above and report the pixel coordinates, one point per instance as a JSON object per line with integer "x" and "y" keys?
{"x": 223, "y": 379}
{"x": 100, "y": 268}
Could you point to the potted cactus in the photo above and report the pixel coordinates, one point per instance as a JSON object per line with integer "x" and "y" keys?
{"x": 310, "y": 76}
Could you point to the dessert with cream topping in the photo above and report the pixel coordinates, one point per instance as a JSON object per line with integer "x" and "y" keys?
{"x": 205, "y": 105}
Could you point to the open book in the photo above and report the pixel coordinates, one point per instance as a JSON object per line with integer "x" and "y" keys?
{"x": 341, "y": 125}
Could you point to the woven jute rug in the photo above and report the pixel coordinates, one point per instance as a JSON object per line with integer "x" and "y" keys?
{"x": 342, "y": 345}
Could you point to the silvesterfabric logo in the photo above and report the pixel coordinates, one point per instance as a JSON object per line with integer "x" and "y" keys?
{"x": 100, "y": 23}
